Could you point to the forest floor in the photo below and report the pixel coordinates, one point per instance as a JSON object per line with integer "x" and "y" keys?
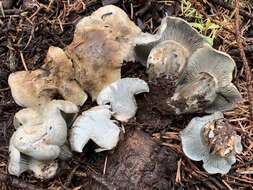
{"x": 30, "y": 27}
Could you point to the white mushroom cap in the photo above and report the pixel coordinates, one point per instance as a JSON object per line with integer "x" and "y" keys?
{"x": 42, "y": 135}
{"x": 171, "y": 28}
{"x": 20, "y": 163}
{"x": 99, "y": 47}
{"x": 94, "y": 124}
{"x": 120, "y": 95}
{"x": 196, "y": 149}
{"x": 220, "y": 66}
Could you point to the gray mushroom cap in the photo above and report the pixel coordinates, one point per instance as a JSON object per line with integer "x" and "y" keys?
{"x": 94, "y": 124}
{"x": 196, "y": 149}
{"x": 217, "y": 93}
{"x": 120, "y": 95}
{"x": 171, "y": 28}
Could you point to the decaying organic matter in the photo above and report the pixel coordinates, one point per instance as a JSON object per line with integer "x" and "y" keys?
{"x": 140, "y": 163}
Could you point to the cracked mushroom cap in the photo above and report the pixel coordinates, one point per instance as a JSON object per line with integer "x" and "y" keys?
{"x": 212, "y": 140}
{"x": 94, "y": 124}
{"x": 42, "y": 135}
{"x": 182, "y": 38}
{"x": 38, "y": 87}
{"x": 100, "y": 46}
{"x": 20, "y": 163}
{"x": 206, "y": 83}
{"x": 120, "y": 95}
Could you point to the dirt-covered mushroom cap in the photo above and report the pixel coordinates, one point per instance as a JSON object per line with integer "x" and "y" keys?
{"x": 120, "y": 95}
{"x": 184, "y": 37}
{"x": 213, "y": 140}
{"x": 205, "y": 84}
{"x": 100, "y": 46}
{"x": 42, "y": 135}
{"x": 94, "y": 124}
{"x": 33, "y": 88}
{"x": 28, "y": 88}
{"x": 167, "y": 58}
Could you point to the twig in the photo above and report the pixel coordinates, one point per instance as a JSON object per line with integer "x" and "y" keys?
{"x": 23, "y": 60}
{"x": 248, "y": 73}
{"x": 14, "y": 182}
{"x": 70, "y": 176}
{"x": 231, "y": 8}
{"x": 102, "y": 181}
{"x": 200, "y": 9}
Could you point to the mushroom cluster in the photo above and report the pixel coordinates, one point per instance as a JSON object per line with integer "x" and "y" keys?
{"x": 204, "y": 74}
{"x": 91, "y": 66}
{"x": 203, "y": 85}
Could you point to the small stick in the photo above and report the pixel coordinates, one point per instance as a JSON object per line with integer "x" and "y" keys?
{"x": 247, "y": 71}
{"x": 102, "y": 181}
{"x": 70, "y": 176}
{"x": 231, "y": 8}
{"x": 23, "y": 60}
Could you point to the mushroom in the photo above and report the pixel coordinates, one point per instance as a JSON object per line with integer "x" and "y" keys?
{"x": 94, "y": 124}
{"x": 205, "y": 84}
{"x": 100, "y": 45}
{"x": 33, "y": 88}
{"x": 213, "y": 140}
{"x": 167, "y": 51}
{"x": 20, "y": 163}
{"x": 120, "y": 95}
{"x": 40, "y": 136}
{"x": 167, "y": 58}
